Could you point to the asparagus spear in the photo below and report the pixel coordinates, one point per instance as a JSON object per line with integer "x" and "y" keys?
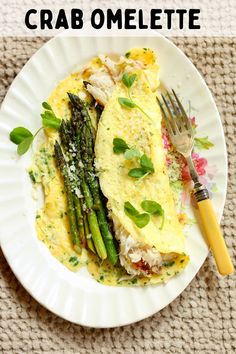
{"x": 92, "y": 217}
{"x": 80, "y": 219}
{"x": 78, "y": 203}
{"x": 93, "y": 222}
{"x": 79, "y": 106}
{"x": 87, "y": 157}
{"x": 62, "y": 165}
{"x": 87, "y": 144}
{"x": 88, "y": 234}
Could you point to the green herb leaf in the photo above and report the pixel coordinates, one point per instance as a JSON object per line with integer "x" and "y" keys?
{"x": 137, "y": 172}
{"x": 119, "y": 146}
{"x": 128, "y": 80}
{"x": 168, "y": 264}
{"x": 126, "y": 102}
{"x": 131, "y": 153}
{"x": 146, "y": 163}
{"x": 203, "y": 143}
{"x": 130, "y": 209}
{"x": 49, "y": 120}
{"x": 32, "y": 176}
{"x": 134, "y": 281}
{"x": 127, "y": 54}
{"x": 140, "y": 220}
{"x": 24, "y": 146}
{"x": 47, "y": 106}
{"x": 152, "y": 207}
{"x": 19, "y": 134}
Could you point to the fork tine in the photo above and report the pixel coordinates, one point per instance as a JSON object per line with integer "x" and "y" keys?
{"x": 169, "y": 128}
{"x": 172, "y": 119}
{"x": 173, "y": 103}
{"x": 185, "y": 118}
{"x": 176, "y": 111}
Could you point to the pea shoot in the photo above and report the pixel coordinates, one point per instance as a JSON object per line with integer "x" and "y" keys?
{"x": 145, "y": 163}
{"x": 23, "y": 137}
{"x": 150, "y": 207}
{"x": 128, "y": 102}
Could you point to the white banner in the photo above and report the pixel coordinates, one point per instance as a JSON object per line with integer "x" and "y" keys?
{"x": 113, "y": 17}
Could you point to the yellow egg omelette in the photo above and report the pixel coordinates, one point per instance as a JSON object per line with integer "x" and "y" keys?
{"x": 147, "y": 255}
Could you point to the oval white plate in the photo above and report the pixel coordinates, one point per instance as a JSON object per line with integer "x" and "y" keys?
{"x": 76, "y": 296}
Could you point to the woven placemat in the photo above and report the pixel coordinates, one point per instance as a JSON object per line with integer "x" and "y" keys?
{"x": 203, "y": 318}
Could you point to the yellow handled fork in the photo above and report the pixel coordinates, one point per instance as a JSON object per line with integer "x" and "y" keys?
{"x": 182, "y": 137}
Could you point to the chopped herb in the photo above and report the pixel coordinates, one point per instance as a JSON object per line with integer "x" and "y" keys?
{"x": 167, "y": 273}
{"x": 38, "y": 216}
{"x": 134, "y": 281}
{"x": 101, "y": 277}
{"x": 32, "y": 176}
{"x": 168, "y": 264}
{"x": 73, "y": 259}
{"x": 182, "y": 260}
{"x": 119, "y": 146}
{"x": 127, "y": 54}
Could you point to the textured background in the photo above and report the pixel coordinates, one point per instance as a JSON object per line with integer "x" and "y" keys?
{"x": 203, "y": 318}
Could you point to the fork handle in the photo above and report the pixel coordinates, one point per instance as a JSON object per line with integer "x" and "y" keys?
{"x": 215, "y": 238}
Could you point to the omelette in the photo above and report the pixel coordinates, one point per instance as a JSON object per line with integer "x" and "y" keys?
{"x": 149, "y": 254}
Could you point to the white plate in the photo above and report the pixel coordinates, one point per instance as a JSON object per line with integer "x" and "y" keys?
{"x": 76, "y": 296}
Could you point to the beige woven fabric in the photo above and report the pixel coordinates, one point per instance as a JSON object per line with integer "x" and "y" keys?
{"x": 203, "y": 318}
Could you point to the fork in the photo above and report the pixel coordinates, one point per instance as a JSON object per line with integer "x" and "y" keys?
{"x": 182, "y": 136}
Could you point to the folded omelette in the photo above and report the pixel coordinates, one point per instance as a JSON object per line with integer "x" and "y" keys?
{"x": 150, "y": 254}
{"x": 149, "y": 250}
